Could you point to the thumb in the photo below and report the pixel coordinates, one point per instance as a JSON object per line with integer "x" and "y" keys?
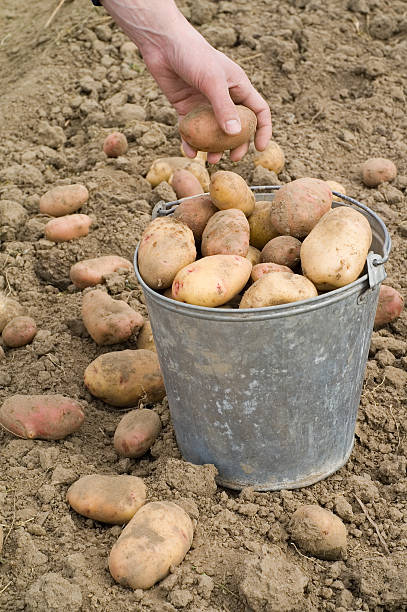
{"x": 224, "y": 108}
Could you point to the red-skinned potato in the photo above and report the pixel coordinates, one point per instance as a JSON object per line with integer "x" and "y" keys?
{"x": 19, "y": 332}
{"x": 145, "y": 339}
{"x": 185, "y": 184}
{"x": 109, "y": 321}
{"x": 195, "y": 213}
{"x": 166, "y": 246}
{"x": 229, "y": 190}
{"x": 9, "y": 309}
{"x": 63, "y": 200}
{"x": 67, "y": 228}
{"x": 318, "y": 532}
{"x": 201, "y": 130}
{"x": 136, "y": 432}
{"x": 124, "y": 378}
{"x": 389, "y": 307}
{"x": 378, "y": 170}
{"x": 278, "y": 288}
{"x": 108, "y": 499}
{"x": 271, "y": 158}
{"x": 265, "y": 268}
{"x": 261, "y": 228}
{"x": 47, "y": 417}
{"x": 157, "y": 538}
{"x": 226, "y": 233}
{"x": 282, "y": 250}
{"x": 299, "y": 205}
{"x": 115, "y": 144}
{"x": 91, "y": 272}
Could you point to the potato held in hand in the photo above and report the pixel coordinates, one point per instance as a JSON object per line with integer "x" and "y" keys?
{"x": 196, "y": 214}
{"x": 226, "y": 233}
{"x": 212, "y": 281}
{"x": 334, "y": 253}
{"x": 108, "y": 499}
{"x": 109, "y": 321}
{"x": 136, "y": 432}
{"x": 157, "y": 537}
{"x": 123, "y": 378}
{"x": 91, "y": 272}
{"x": 230, "y": 190}
{"x": 318, "y": 532}
{"x": 166, "y": 246}
{"x": 278, "y": 288}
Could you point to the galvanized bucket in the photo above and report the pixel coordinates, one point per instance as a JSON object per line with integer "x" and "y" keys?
{"x": 269, "y": 395}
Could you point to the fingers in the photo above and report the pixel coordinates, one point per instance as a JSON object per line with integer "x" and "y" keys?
{"x": 239, "y": 152}
{"x": 188, "y": 150}
{"x": 213, "y": 158}
{"x": 245, "y": 93}
{"x": 216, "y": 89}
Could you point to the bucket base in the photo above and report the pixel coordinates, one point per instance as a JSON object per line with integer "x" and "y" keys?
{"x": 308, "y": 480}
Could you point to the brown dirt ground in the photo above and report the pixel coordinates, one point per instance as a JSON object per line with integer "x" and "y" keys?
{"x": 334, "y": 75}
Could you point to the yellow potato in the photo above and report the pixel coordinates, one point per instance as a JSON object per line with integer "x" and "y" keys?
{"x": 318, "y": 532}
{"x": 230, "y": 190}
{"x": 201, "y": 156}
{"x": 227, "y": 232}
{"x": 334, "y": 186}
{"x": 335, "y": 251}
{"x": 253, "y": 255}
{"x": 162, "y": 168}
{"x": 278, "y": 288}
{"x": 212, "y": 281}
{"x": 271, "y": 158}
{"x": 261, "y": 228}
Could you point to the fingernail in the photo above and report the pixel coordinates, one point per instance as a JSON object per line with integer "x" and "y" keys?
{"x": 232, "y": 126}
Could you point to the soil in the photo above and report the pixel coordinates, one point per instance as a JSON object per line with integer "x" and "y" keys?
{"x": 334, "y": 76}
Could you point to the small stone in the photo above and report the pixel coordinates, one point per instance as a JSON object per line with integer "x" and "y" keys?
{"x": 50, "y": 135}
{"x": 63, "y": 475}
{"x": 343, "y": 508}
{"x": 52, "y": 593}
{"x": 46, "y": 493}
{"x": 385, "y": 357}
{"x": 127, "y": 113}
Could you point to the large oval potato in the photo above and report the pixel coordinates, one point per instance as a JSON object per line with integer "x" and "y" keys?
{"x": 278, "y": 288}
{"x": 185, "y": 184}
{"x": 261, "y": 228}
{"x": 282, "y": 250}
{"x": 335, "y": 251}
{"x": 166, "y": 246}
{"x": 195, "y": 213}
{"x": 108, "y": 499}
{"x": 200, "y": 130}
{"x": 229, "y": 190}
{"x": 91, "y": 272}
{"x": 19, "y": 332}
{"x": 109, "y": 321}
{"x": 299, "y": 205}
{"x": 226, "y": 233}
{"x": 212, "y": 281}
{"x": 157, "y": 537}
{"x": 318, "y": 532}
{"x": 271, "y": 158}
{"x": 63, "y": 200}
{"x": 136, "y": 432}
{"x": 67, "y": 227}
{"x": 124, "y": 378}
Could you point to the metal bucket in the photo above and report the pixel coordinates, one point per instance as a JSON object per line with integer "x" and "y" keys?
{"x": 269, "y": 395}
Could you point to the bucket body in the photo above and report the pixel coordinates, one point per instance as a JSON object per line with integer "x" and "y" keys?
{"x": 268, "y": 395}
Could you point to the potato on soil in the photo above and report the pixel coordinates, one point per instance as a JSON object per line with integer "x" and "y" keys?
{"x": 48, "y": 417}
{"x": 282, "y": 250}
{"x": 67, "y": 228}
{"x": 19, "y": 332}
{"x": 166, "y": 246}
{"x": 334, "y": 253}
{"x": 108, "y": 499}
{"x": 334, "y": 186}
{"x": 157, "y": 538}
{"x": 378, "y": 170}
{"x": 124, "y": 378}
{"x": 162, "y": 168}
{"x": 109, "y": 321}
{"x": 318, "y": 532}
{"x": 145, "y": 339}
{"x": 196, "y": 214}
{"x": 299, "y": 205}
{"x": 261, "y": 228}
{"x": 226, "y": 233}
{"x": 63, "y": 200}
{"x": 389, "y": 307}
{"x": 9, "y": 309}
{"x": 230, "y": 190}
{"x": 265, "y": 268}
{"x": 278, "y": 288}
{"x": 136, "y": 432}
{"x": 201, "y": 131}
{"x": 115, "y": 144}
{"x": 253, "y": 255}
{"x": 271, "y": 158}
{"x": 185, "y": 184}
{"x": 91, "y": 272}
{"x": 212, "y": 281}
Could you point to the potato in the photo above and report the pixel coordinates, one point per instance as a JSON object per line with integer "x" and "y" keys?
{"x": 9, "y": 309}
{"x": 109, "y": 321}
{"x": 299, "y": 205}
{"x": 166, "y": 246}
{"x": 378, "y": 170}
{"x": 19, "y": 332}
{"x": 67, "y": 228}
{"x": 265, "y": 268}
{"x": 185, "y": 184}
{"x": 318, "y": 532}
{"x": 271, "y": 158}
{"x": 145, "y": 339}
{"x": 212, "y": 281}
{"x": 261, "y": 228}
{"x": 196, "y": 214}
{"x": 278, "y": 288}
{"x": 63, "y": 200}
{"x": 230, "y": 190}
{"x": 226, "y": 233}
{"x": 115, "y": 144}
{"x": 201, "y": 131}
{"x": 201, "y": 173}
{"x": 108, "y": 499}
{"x": 91, "y": 272}
{"x": 282, "y": 250}
{"x": 157, "y": 538}
{"x": 389, "y": 307}
{"x": 334, "y": 186}
{"x": 136, "y": 432}
{"x": 253, "y": 255}
{"x": 334, "y": 253}
{"x": 124, "y": 378}
{"x": 201, "y": 156}
{"x": 159, "y": 172}
{"x": 48, "y": 417}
